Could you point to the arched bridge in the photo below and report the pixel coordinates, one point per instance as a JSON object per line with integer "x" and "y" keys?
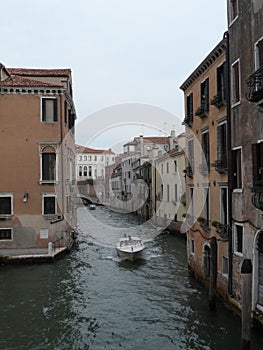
{"x": 87, "y": 199}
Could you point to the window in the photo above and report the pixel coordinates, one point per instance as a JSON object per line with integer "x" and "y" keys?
{"x": 5, "y": 234}
{"x": 223, "y": 206}
{"x": 192, "y": 246}
{"x": 235, "y": 82}
{"x": 49, "y": 206}
{"x": 189, "y": 109}
{"x": 49, "y": 110}
{"x": 191, "y": 156}
{"x": 90, "y": 171}
{"x": 238, "y": 239}
{"x": 85, "y": 158}
{"x": 221, "y": 82}
{"x": 205, "y": 95}
{"x": 6, "y": 204}
{"x": 80, "y": 171}
{"x": 80, "y": 158}
{"x": 161, "y": 193}
{"x": 221, "y": 162}
{"x": 233, "y": 10}
{"x": 191, "y": 205}
{"x": 205, "y": 148}
{"x": 167, "y": 193}
{"x": 162, "y": 169}
{"x": 95, "y": 158}
{"x": 85, "y": 171}
{"x": 175, "y": 166}
{"x": 257, "y": 160}
{"x": 224, "y": 265}
{"x": 206, "y": 209}
{"x": 259, "y": 53}
{"x": 89, "y": 157}
{"x": 65, "y": 112}
{"x": 167, "y": 168}
{"x": 237, "y": 169}
{"x": 69, "y": 204}
{"x": 175, "y": 193}
{"x": 49, "y": 166}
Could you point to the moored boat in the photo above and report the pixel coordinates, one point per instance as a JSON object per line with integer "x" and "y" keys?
{"x": 130, "y": 248}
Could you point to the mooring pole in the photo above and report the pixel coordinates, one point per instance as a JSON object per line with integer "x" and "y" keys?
{"x": 213, "y": 275}
{"x": 246, "y": 274}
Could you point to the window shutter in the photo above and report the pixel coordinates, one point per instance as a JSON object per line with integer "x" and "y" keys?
{"x": 207, "y": 95}
{"x": 43, "y": 110}
{"x": 55, "y": 110}
{"x": 219, "y": 143}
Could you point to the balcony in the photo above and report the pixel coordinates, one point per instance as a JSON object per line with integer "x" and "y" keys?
{"x": 201, "y": 111}
{"x": 221, "y": 165}
{"x": 255, "y": 86}
{"x": 188, "y": 120}
{"x": 257, "y": 197}
{"x": 218, "y": 100}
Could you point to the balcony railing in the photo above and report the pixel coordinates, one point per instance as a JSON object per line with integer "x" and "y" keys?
{"x": 221, "y": 165}
{"x": 188, "y": 120}
{"x": 255, "y": 86}
{"x": 201, "y": 111}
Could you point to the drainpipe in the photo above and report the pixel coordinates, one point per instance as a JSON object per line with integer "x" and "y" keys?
{"x": 229, "y": 166}
{"x": 62, "y": 160}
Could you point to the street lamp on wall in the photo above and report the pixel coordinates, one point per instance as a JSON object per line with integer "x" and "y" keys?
{"x": 25, "y": 197}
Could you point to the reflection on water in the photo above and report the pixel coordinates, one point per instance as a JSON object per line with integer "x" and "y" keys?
{"x": 91, "y": 299}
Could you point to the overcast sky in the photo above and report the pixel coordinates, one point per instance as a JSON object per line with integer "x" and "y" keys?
{"x": 120, "y": 52}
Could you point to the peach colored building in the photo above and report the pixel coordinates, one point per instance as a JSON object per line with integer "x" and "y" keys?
{"x": 205, "y": 92}
{"x": 37, "y": 152}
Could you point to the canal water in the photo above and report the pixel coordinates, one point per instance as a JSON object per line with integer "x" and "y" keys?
{"x": 91, "y": 299}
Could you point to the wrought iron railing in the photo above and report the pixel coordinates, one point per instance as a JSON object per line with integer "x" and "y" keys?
{"x": 255, "y": 86}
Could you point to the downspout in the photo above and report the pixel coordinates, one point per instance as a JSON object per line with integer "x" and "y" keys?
{"x": 229, "y": 166}
{"x": 62, "y": 160}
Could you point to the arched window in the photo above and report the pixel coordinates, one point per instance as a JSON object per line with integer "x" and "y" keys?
{"x": 85, "y": 171}
{"x": 48, "y": 164}
{"x": 80, "y": 171}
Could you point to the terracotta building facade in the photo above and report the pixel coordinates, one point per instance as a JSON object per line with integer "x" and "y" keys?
{"x": 37, "y": 152}
{"x": 206, "y": 173}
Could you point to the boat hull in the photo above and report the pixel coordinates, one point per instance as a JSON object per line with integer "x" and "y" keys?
{"x": 131, "y": 256}
{"x": 130, "y": 248}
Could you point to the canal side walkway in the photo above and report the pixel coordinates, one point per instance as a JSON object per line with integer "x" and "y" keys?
{"x": 30, "y": 255}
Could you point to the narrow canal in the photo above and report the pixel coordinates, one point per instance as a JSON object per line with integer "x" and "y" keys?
{"x": 91, "y": 299}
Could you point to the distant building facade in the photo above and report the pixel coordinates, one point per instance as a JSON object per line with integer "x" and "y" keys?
{"x": 37, "y": 180}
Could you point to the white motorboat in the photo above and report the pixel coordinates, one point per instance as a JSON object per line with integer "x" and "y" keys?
{"x": 92, "y": 206}
{"x": 130, "y": 248}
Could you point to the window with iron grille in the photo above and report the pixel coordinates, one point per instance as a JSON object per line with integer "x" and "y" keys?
{"x": 221, "y": 81}
{"x": 205, "y": 148}
{"x": 5, "y": 234}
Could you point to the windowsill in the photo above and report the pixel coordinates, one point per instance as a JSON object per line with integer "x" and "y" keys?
{"x": 6, "y": 216}
{"x": 46, "y": 182}
{"x": 238, "y": 190}
{"x": 238, "y": 254}
{"x": 44, "y": 122}
{"x": 233, "y": 105}
{"x": 233, "y": 21}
